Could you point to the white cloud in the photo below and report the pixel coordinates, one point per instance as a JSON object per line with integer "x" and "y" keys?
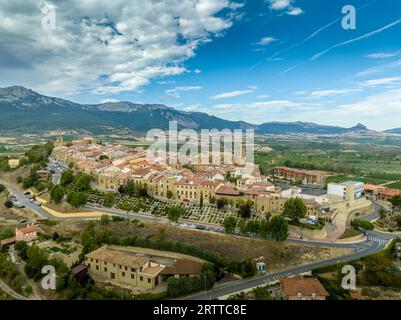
{"x": 262, "y": 96}
{"x": 332, "y": 92}
{"x": 197, "y": 71}
{"x": 233, "y": 94}
{"x": 114, "y": 46}
{"x": 281, "y": 5}
{"x": 379, "y": 82}
{"x": 382, "y": 55}
{"x": 175, "y": 92}
{"x": 295, "y": 12}
{"x": 265, "y": 41}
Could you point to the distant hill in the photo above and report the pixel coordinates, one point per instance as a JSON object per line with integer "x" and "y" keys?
{"x": 24, "y": 110}
{"x": 396, "y": 130}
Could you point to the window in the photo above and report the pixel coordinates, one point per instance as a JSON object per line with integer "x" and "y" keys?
{"x": 105, "y": 269}
{"x": 132, "y": 276}
{"x": 149, "y": 281}
{"x": 141, "y": 278}
{"x": 97, "y": 267}
{"x": 113, "y": 275}
{"x": 123, "y": 274}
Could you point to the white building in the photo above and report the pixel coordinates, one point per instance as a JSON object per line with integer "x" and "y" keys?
{"x": 346, "y": 190}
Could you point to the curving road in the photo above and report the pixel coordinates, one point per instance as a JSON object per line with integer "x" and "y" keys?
{"x": 375, "y": 241}
{"x": 11, "y": 292}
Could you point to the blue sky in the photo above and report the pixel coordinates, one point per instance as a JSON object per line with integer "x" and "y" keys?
{"x": 254, "y": 60}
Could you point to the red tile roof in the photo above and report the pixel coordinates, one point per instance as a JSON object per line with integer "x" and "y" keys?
{"x": 306, "y": 286}
{"x": 227, "y": 190}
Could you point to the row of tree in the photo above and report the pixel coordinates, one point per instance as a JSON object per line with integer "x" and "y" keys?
{"x": 276, "y": 228}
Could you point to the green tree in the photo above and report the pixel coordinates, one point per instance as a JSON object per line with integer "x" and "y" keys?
{"x": 2, "y": 188}
{"x": 57, "y": 194}
{"x": 295, "y": 209}
{"x": 201, "y": 200}
{"x": 230, "y": 223}
{"x": 77, "y": 199}
{"x": 396, "y": 202}
{"x": 174, "y": 213}
{"x": 243, "y": 227}
{"x": 278, "y": 228}
{"x": 82, "y": 181}
{"x": 48, "y": 146}
{"x": 245, "y": 211}
{"x": 220, "y": 203}
{"x": 20, "y": 179}
{"x": 8, "y": 204}
{"x": 67, "y": 177}
{"x": 109, "y": 199}
{"x": 398, "y": 220}
{"x": 36, "y": 259}
{"x": 105, "y": 219}
{"x": 169, "y": 194}
{"x": 7, "y": 233}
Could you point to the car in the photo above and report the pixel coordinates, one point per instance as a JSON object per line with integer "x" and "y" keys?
{"x": 28, "y": 193}
{"x": 20, "y": 206}
{"x": 200, "y": 227}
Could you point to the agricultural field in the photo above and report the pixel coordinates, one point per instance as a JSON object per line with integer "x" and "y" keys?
{"x": 371, "y": 161}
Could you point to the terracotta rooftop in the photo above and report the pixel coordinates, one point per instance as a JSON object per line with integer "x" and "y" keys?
{"x": 227, "y": 190}
{"x": 390, "y": 192}
{"x": 119, "y": 257}
{"x": 28, "y": 229}
{"x": 306, "y": 286}
{"x": 372, "y": 187}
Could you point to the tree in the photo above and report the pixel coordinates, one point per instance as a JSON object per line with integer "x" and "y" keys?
{"x": 67, "y": 177}
{"x": 8, "y": 204}
{"x": 19, "y": 179}
{"x": 169, "y": 194}
{"x": 30, "y": 180}
{"x": 7, "y": 233}
{"x": 398, "y": 220}
{"x": 2, "y": 188}
{"x": 174, "y": 213}
{"x": 230, "y": 223}
{"x": 82, "y": 181}
{"x": 396, "y": 202}
{"x": 243, "y": 229}
{"x": 295, "y": 209}
{"x": 49, "y": 146}
{"x": 21, "y": 247}
{"x": 201, "y": 200}
{"x": 245, "y": 211}
{"x": 278, "y": 228}
{"x": 383, "y": 213}
{"x": 109, "y": 199}
{"x": 77, "y": 199}
{"x": 103, "y": 157}
{"x": 362, "y": 224}
{"x": 105, "y": 219}
{"x": 36, "y": 259}
{"x": 220, "y": 203}
{"x": 57, "y": 194}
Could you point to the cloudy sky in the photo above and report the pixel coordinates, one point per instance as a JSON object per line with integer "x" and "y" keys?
{"x": 252, "y": 60}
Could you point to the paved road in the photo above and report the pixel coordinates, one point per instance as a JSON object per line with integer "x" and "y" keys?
{"x": 11, "y": 292}
{"x": 375, "y": 242}
{"x": 238, "y": 286}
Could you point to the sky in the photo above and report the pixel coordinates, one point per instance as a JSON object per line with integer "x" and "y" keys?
{"x": 251, "y": 60}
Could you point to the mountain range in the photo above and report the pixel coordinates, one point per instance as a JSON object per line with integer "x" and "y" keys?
{"x": 24, "y": 110}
